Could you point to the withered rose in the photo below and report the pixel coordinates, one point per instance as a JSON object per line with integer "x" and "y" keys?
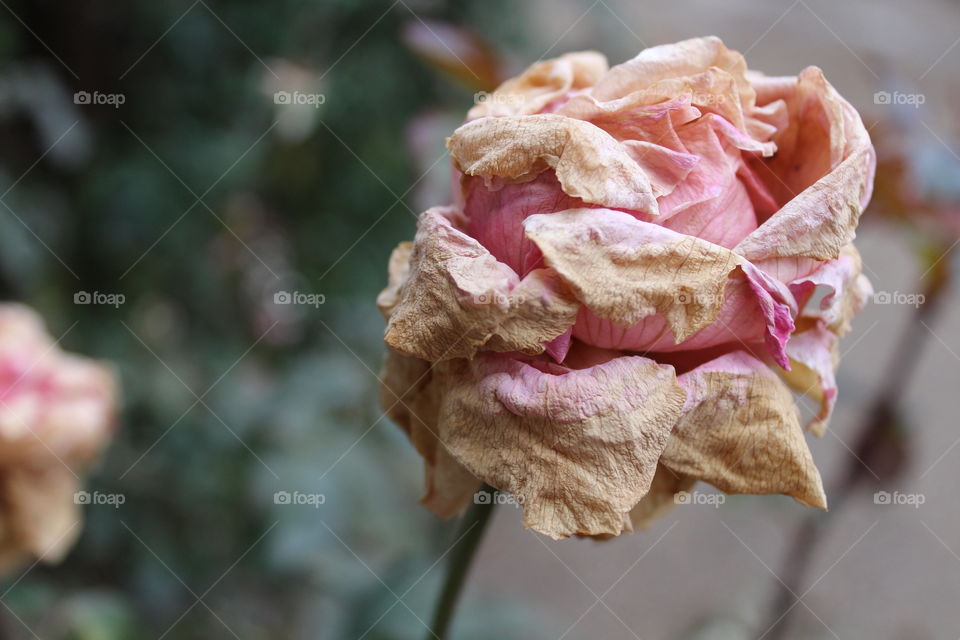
{"x": 56, "y": 414}
{"x": 621, "y": 295}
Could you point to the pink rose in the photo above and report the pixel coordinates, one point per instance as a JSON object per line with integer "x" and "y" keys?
{"x": 57, "y": 412}
{"x": 612, "y": 306}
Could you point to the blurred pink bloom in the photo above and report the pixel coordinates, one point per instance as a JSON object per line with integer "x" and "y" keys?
{"x": 612, "y": 306}
{"x": 57, "y": 412}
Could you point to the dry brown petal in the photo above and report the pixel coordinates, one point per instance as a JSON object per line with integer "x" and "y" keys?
{"x": 590, "y": 164}
{"x": 823, "y": 171}
{"x": 578, "y": 449}
{"x": 458, "y": 299}
{"x": 398, "y": 270}
{"x": 541, "y": 84}
{"x": 678, "y": 60}
{"x": 661, "y": 498}
{"x": 740, "y": 431}
{"x": 626, "y": 270}
{"x": 814, "y": 355}
{"x": 40, "y": 512}
{"x": 409, "y": 396}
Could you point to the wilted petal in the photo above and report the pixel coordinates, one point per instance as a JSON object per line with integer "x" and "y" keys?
{"x": 822, "y": 173}
{"x": 814, "y": 357}
{"x": 458, "y": 298}
{"x": 41, "y": 513}
{"x": 578, "y": 447}
{"x": 409, "y": 394}
{"x": 740, "y": 432}
{"x": 661, "y": 498}
{"x": 398, "y": 270}
{"x": 626, "y": 270}
{"x": 848, "y": 290}
{"x": 590, "y": 164}
{"x": 495, "y": 214}
{"x": 541, "y": 84}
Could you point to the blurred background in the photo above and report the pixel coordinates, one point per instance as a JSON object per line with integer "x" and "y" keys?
{"x": 206, "y": 193}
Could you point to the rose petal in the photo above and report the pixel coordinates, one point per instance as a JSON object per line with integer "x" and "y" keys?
{"x": 590, "y": 164}
{"x": 626, "y": 270}
{"x": 541, "y": 84}
{"x": 823, "y": 172}
{"x": 814, "y": 356}
{"x": 848, "y": 290}
{"x": 580, "y": 448}
{"x": 398, "y": 270}
{"x": 740, "y": 432}
{"x": 459, "y": 299}
{"x": 661, "y": 498}
{"x": 41, "y": 511}
{"x": 409, "y": 396}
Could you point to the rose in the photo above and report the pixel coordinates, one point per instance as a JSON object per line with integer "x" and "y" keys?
{"x": 56, "y": 415}
{"x": 650, "y": 236}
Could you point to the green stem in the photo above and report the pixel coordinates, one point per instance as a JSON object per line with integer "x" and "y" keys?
{"x": 468, "y": 540}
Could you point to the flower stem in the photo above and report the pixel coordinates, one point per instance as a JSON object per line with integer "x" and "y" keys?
{"x": 468, "y": 540}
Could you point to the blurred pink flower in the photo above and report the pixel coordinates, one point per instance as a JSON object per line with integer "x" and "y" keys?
{"x": 57, "y": 412}
{"x": 625, "y": 271}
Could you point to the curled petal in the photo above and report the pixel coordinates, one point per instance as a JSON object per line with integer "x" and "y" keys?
{"x": 823, "y": 173}
{"x": 590, "y": 164}
{"x": 541, "y": 84}
{"x": 409, "y": 396}
{"x": 740, "y": 432}
{"x": 814, "y": 357}
{"x": 848, "y": 290}
{"x": 671, "y": 61}
{"x": 398, "y": 270}
{"x": 458, "y": 298}
{"x": 626, "y": 270}
{"x": 578, "y": 447}
{"x": 661, "y": 498}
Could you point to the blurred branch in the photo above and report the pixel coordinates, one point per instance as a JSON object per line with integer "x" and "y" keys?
{"x": 880, "y": 448}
